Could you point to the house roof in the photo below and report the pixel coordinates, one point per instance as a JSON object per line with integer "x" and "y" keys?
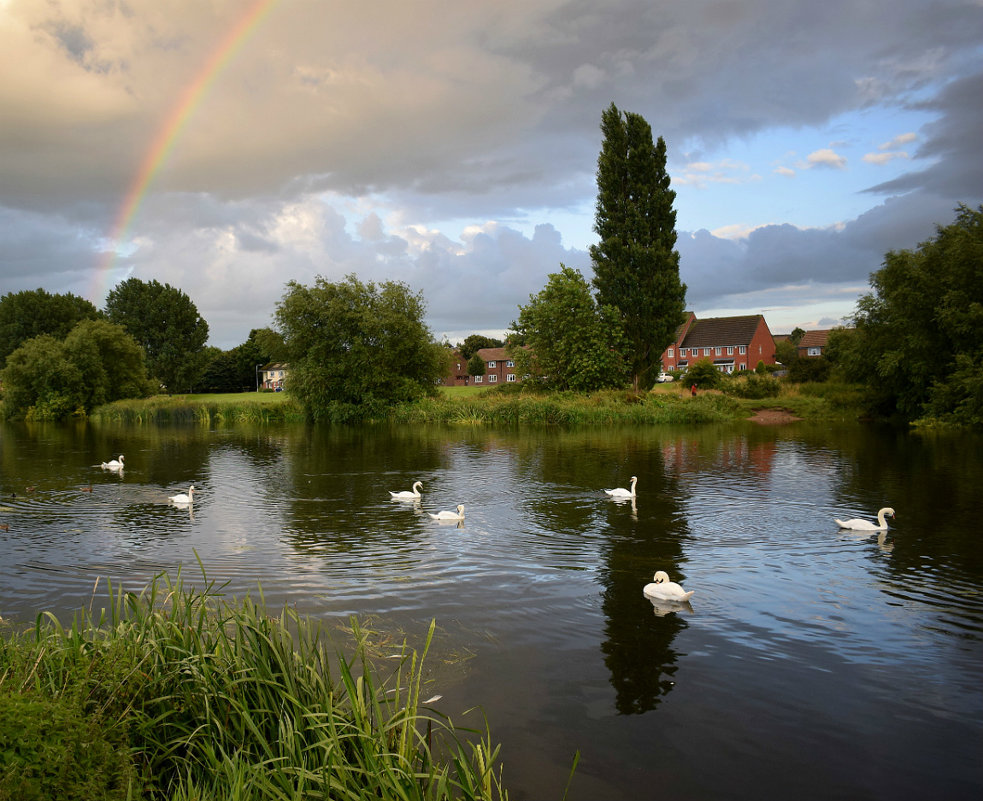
{"x": 814, "y": 339}
{"x": 276, "y": 366}
{"x": 492, "y": 354}
{"x": 722, "y": 331}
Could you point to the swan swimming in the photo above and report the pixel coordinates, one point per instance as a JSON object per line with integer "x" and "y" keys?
{"x": 858, "y": 524}
{"x": 182, "y": 498}
{"x": 621, "y": 492}
{"x": 113, "y": 464}
{"x": 666, "y": 590}
{"x": 408, "y": 495}
{"x": 445, "y": 515}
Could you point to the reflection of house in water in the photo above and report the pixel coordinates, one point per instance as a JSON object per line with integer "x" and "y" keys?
{"x": 738, "y": 454}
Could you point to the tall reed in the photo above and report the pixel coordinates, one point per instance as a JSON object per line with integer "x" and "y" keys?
{"x": 222, "y": 700}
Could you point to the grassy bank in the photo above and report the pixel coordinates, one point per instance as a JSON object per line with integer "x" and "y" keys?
{"x": 179, "y": 694}
{"x": 516, "y": 405}
{"x": 240, "y": 407}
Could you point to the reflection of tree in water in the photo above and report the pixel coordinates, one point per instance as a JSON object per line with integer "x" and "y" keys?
{"x": 339, "y": 472}
{"x": 638, "y": 643}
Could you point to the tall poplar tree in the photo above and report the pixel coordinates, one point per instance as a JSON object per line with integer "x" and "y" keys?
{"x": 636, "y": 266}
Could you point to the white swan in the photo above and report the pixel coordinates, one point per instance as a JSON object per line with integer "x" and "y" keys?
{"x": 621, "y": 492}
{"x": 182, "y": 498}
{"x": 113, "y": 464}
{"x": 445, "y": 515}
{"x": 666, "y": 590}
{"x": 408, "y": 495}
{"x": 858, "y": 524}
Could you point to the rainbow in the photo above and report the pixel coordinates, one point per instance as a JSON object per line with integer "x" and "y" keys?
{"x": 168, "y": 135}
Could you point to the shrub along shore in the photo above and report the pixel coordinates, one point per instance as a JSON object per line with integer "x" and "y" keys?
{"x": 516, "y": 405}
{"x": 177, "y": 693}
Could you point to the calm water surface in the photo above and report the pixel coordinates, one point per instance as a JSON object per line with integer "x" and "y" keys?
{"x": 811, "y": 663}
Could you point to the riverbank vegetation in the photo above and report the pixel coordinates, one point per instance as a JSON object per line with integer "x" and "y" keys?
{"x": 733, "y": 399}
{"x": 179, "y": 693}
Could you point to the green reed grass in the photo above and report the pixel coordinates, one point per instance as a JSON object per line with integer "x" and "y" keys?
{"x": 246, "y": 407}
{"x": 569, "y": 409}
{"x": 219, "y": 699}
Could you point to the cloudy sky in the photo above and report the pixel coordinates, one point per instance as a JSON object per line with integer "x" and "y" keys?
{"x": 228, "y": 146}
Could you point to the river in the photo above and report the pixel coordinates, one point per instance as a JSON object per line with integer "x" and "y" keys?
{"x": 811, "y": 662}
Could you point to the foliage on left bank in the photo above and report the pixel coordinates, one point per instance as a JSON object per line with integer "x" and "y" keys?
{"x": 183, "y": 694}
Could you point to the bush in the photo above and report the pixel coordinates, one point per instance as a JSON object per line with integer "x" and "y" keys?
{"x": 704, "y": 375}
{"x": 51, "y": 749}
{"x": 754, "y": 386}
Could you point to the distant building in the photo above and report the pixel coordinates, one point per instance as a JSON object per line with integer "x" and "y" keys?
{"x": 272, "y": 375}
{"x": 813, "y": 343}
{"x": 733, "y": 344}
{"x": 499, "y": 369}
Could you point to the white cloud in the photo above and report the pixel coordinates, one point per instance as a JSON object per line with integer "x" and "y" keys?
{"x": 885, "y": 158}
{"x": 898, "y": 141}
{"x": 826, "y": 157}
{"x": 727, "y": 171}
{"x": 787, "y": 171}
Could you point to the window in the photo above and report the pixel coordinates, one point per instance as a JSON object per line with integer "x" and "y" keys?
{"x": 682, "y": 353}
{"x": 716, "y": 351}
{"x": 510, "y": 363}
{"x": 730, "y": 351}
{"x": 743, "y": 366}
{"x": 742, "y": 349}
{"x": 477, "y": 379}
{"x": 458, "y": 365}
{"x": 815, "y": 351}
{"x": 706, "y": 351}
{"x": 672, "y": 351}
{"x": 492, "y": 378}
{"x": 491, "y": 365}
{"x": 510, "y": 377}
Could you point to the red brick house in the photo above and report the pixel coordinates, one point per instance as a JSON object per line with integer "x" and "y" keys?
{"x": 813, "y": 343}
{"x": 733, "y": 344}
{"x": 499, "y": 369}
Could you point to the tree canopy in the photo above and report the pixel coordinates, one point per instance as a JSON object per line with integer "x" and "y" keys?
{"x": 918, "y": 342}
{"x": 355, "y": 348}
{"x": 50, "y": 379}
{"x": 27, "y": 314}
{"x": 165, "y": 321}
{"x": 574, "y": 343}
{"x": 636, "y": 266}
{"x": 475, "y": 342}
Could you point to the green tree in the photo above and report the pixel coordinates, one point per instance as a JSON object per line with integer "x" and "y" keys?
{"x": 636, "y": 266}
{"x": 786, "y": 352}
{"x": 110, "y": 361}
{"x": 48, "y": 379}
{"x": 356, "y": 349}
{"x": 476, "y": 365}
{"x": 703, "y": 374}
{"x": 475, "y": 342}
{"x": 918, "y": 343}
{"x": 270, "y": 344}
{"x": 40, "y": 382}
{"x": 573, "y": 342}
{"x": 166, "y": 323}
{"x": 27, "y": 314}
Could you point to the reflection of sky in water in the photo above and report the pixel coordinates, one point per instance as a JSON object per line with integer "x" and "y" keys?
{"x": 797, "y": 631}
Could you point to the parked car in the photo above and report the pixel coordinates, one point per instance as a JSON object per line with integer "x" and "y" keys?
{"x": 664, "y": 378}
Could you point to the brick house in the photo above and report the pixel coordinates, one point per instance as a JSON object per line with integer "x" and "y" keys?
{"x": 813, "y": 343}
{"x": 499, "y": 369}
{"x": 733, "y": 344}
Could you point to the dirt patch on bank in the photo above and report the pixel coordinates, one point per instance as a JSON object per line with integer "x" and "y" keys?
{"x": 772, "y": 417}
